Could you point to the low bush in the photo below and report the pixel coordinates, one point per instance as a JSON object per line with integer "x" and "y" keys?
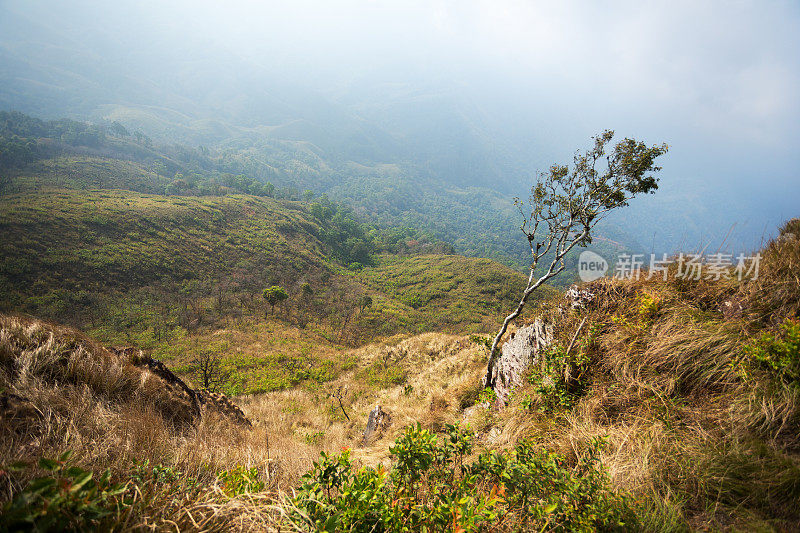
{"x": 430, "y": 488}
{"x": 67, "y": 499}
{"x": 559, "y": 380}
{"x": 241, "y": 480}
{"x": 775, "y": 355}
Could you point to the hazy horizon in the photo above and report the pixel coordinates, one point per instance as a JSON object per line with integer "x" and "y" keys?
{"x": 475, "y": 93}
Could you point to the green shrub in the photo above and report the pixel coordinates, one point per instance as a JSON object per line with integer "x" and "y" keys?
{"x": 559, "y": 381}
{"x": 162, "y": 478}
{"x": 241, "y": 480}
{"x": 314, "y": 438}
{"x": 429, "y": 488}
{"x": 777, "y": 356}
{"x": 487, "y": 395}
{"x": 68, "y": 499}
{"x": 648, "y": 305}
{"x": 548, "y": 494}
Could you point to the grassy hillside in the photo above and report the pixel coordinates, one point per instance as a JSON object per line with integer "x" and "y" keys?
{"x": 676, "y": 409}
{"x": 109, "y": 238}
{"x": 446, "y": 290}
{"x": 131, "y": 263}
{"x": 64, "y": 153}
{"x": 85, "y": 172}
{"x": 84, "y": 243}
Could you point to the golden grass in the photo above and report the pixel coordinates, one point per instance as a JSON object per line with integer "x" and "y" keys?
{"x": 698, "y": 447}
{"x": 695, "y": 446}
{"x": 115, "y": 415}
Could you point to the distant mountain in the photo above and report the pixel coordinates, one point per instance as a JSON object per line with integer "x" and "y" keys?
{"x": 397, "y": 153}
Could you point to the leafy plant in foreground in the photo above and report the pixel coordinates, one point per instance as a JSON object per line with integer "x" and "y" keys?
{"x": 241, "y": 480}
{"x": 559, "y": 379}
{"x": 429, "y": 488}
{"x": 68, "y": 499}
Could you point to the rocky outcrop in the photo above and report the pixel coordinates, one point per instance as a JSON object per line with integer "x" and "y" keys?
{"x": 579, "y": 298}
{"x": 200, "y": 400}
{"x": 521, "y": 350}
{"x": 222, "y": 404}
{"x": 378, "y": 421}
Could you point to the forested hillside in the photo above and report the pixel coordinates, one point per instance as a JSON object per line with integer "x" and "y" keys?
{"x": 143, "y": 243}
{"x": 476, "y": 220}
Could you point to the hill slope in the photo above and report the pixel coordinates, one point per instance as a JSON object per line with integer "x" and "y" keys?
{"x": 689, "y": 404}
{"x": 129, "y": 261}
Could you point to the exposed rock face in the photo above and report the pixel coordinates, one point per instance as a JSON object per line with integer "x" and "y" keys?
{"x": 378, "y": 421}
{"x": 222, "y": 404}
{"x": 517, "y": 354}
{"x": 579, "y": 298}
{"x": 198, "y": 399}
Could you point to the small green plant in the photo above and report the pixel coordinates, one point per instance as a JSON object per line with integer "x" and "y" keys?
{"x": 241, "y": 480}
{"x": 526, "y": 403}
{"x": 648, "y": 305}
{"x": 777, "y": 356}
{"x": 314, "y": 438}
{"x": 68, "y": 499}
{"x": 487, "y": 395}
{"x": 480, "y": 340}
{"x": 559, "y": 378}
{"x": 143, "y": 473}
{"x": 414, "y": 451}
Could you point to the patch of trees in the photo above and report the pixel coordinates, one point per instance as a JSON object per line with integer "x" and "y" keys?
{"x": 216, "y": 184}
{"x": 72, "y": 132}
{"x": 191, "y": 172}
{"x": 349, "y": 240}
{"x": 353, "y": 243}
{"x": 17, "y": 151}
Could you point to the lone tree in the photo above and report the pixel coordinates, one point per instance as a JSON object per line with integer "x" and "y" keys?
{"x": 208, "y": 370}
{"x": 275, "y": 295}
{"x": 566, "y": 204}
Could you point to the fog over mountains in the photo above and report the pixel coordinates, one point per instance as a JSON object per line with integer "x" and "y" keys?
{"x": 389, "y": 104}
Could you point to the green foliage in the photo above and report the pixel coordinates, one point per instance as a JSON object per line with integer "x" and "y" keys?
{"x": 648, "y": 305}
{"x": 481, "y": 340}
{"x": 774, "y": 355}
{"x": 275, "y": 295}
{"x": 68, "y": 499}
{"x": 314, "y": 438}
{"x": 144, "y": 474}
{"x": 429, "y": 488}
{"x": 350, "y": 241}
{"x": 435, "y": 291}
{"x": 16, "y": 151}
{"x": 560, "y": 378}
{"x": 550, "y": 495}
{"x": 414, "y": 452}
{"x": 241, "y": 480}
{"x": 487, "y": 395}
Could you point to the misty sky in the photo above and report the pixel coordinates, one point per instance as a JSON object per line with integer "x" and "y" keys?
{"x": 718, "y": 81}
{"x": 727, "y": 70}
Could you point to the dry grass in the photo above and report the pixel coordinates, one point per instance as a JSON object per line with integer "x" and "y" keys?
{"x": 696, "y": 446}
{"x": 71, "y": 394}
{"x": 775, "y": 295}
{"x": 74, "y": 394}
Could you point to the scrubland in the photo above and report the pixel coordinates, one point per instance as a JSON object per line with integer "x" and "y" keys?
{"x": 676, "y": 408}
